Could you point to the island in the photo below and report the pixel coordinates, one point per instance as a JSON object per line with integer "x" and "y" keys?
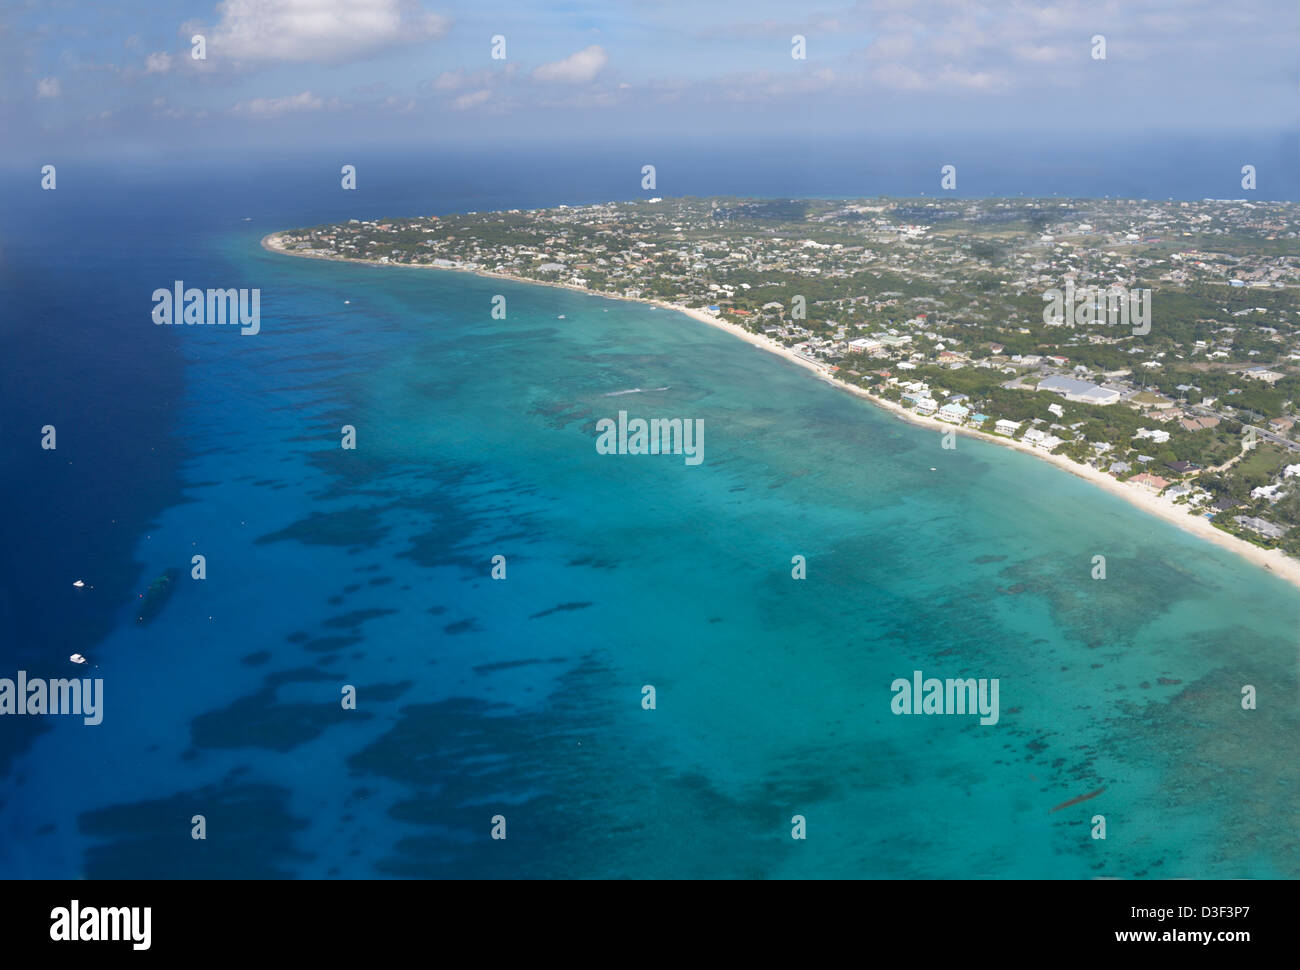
{"x": 1148, "y": 346}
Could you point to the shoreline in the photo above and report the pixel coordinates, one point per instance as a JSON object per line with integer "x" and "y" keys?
{"x": 1273, "y": 561}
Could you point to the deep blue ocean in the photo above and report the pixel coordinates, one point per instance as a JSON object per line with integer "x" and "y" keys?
{"x": 522, "y": 697}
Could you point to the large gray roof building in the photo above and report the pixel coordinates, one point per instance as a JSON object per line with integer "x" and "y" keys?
{"x": 1073, "y": 389}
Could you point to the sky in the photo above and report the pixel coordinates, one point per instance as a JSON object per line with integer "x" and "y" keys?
{"x": 85, "y": 77}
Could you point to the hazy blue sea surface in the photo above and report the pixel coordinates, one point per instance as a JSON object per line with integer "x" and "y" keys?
{"x": 522, "y": 697}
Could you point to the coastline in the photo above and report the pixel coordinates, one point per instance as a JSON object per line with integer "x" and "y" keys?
{"x": 1273, "y": 560}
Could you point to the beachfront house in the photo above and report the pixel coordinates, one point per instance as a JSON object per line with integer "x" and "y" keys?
{"x": 1005, "y": 427}
{"x": 1262, "y": 526}
{"x": 954, "y": 413}
{"x": 1150, "y": 482}
{"x": 1041, "y": 439}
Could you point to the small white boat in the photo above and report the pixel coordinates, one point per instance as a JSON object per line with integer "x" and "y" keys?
{"x": 77, "y": 658}
{"x": 346, "y": 302}
{"x": 79, "y": 583}
{"x": 560, "y": 317}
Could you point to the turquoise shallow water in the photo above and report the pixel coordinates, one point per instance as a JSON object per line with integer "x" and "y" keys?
{"x": 522, "y": 697}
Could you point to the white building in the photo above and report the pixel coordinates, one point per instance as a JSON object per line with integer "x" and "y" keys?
{"x": 1041, "y": 439}
{"x": 1155, "y": 434}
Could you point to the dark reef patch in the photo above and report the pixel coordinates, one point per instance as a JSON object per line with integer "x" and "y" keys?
{"x": 511, "y": 664}
{"x": 462, "y": 626}
{"x": 330, "y": 644}
{"x": 260, "y": 721}
{"x": 350, "y": 621}
{"x": 351, "y": 527}
{"x": 250, "y": 833}
{"x": 563, "y": 607}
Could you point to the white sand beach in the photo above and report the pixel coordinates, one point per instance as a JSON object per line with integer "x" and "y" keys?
{"x": 1273, "y": 560}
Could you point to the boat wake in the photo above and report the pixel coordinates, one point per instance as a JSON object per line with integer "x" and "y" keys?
{"x": 636, "y": 390}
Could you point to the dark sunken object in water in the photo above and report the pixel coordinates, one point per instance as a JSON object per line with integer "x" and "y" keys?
{"x": 156, "y": 596}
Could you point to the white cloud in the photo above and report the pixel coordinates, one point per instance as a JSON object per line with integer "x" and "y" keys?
{"x": 1043, "y": 53}
{"x": 891, "y": 47}
{"x": 900, "y": 76}
{"x": 466, "y": 101}
{"x": 48, "y": 87}
{"x": 971, "y": 80}
{"x": 158, "y": 63}
{"x": 979, "y": 46}
{"x": 449, "y": 81}
{"x": 272, "y": 107}
{"x": 319, "y": 30}
{"x": 576, "y": 68}
{"x": 903, "y": 78}
{"x": 163, "y": 110}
